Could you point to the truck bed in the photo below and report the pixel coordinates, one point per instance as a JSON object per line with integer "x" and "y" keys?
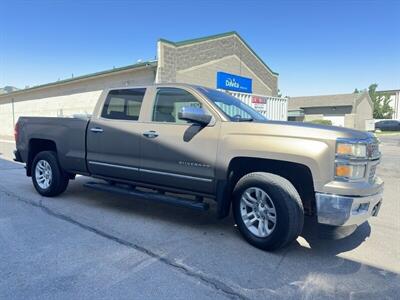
{"x": 68, "y": 135}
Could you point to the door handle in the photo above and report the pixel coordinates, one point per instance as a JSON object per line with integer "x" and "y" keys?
{"x": 151, "y": 134}
{"x": 96, "y": 130}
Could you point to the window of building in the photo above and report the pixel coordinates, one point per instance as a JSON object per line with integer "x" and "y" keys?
{"x": 123, "y": 104}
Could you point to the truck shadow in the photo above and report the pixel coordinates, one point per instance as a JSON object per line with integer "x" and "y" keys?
{"x": 320, "y": 239}
{"x": 333, "y": 241}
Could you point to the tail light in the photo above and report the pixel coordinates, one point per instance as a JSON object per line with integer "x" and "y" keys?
{"x": 16, "y": 131}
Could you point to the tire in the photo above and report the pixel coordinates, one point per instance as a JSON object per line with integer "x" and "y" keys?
{"x": 280, "y": 197}
{"x": 58, "y": 181}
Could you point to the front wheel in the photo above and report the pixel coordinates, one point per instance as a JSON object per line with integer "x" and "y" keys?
{"x": 47, "y": 176}
{"x": 268, "y": 210}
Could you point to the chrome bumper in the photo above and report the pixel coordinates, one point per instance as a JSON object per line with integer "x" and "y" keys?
{"x": 346, "y": 210}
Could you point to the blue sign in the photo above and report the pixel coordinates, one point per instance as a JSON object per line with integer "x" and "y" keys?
{"x": 233, "y": 82}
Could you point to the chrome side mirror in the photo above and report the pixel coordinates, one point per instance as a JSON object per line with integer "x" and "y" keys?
{"x": 194, "y": 115}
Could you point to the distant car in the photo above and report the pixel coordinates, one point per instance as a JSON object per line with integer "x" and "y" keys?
{"x": 388, "y": 125}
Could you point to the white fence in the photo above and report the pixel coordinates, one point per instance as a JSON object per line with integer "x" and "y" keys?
{"x": 274, "y": 108}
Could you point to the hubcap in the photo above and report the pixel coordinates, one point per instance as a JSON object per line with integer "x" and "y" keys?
{"x": 43, "y": 174}
{"x": 258, "y": 212}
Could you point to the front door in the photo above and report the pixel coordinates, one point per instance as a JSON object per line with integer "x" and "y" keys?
{"x": 113, "y": 139}
{"x": 174, "y": 152}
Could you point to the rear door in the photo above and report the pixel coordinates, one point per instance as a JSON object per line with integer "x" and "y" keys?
{"x": 113, "y": 138}
{"x": 174, "y": 152}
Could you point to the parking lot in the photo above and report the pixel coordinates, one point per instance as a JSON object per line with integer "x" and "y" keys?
{"x": 89, "y": 244}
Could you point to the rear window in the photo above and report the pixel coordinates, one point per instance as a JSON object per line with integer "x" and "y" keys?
{"x": 124, "y": 104}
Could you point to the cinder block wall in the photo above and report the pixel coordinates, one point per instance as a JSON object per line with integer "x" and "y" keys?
{"x": 350, "y": 121}
{"x": 197, "y": 63}
{"x": 364, "y": 113}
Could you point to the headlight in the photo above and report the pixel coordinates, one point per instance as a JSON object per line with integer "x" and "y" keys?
{"x": 348, "y": 171}
{"x": 356, "y": 150}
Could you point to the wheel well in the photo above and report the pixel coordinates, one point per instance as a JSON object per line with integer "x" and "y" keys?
{"x": 36, "y": 146}
{"x": 299, "y": 175}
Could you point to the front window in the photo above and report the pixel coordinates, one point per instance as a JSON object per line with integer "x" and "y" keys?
{"x": 169, "y": 101}
{"x": 232, "y": 107}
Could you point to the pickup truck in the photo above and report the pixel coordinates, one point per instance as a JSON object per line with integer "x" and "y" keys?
{"x": 191, "y": 145}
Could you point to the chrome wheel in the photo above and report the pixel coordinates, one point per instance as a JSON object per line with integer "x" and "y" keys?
{"x": 43, "y": 174}
{"x": 258, "y": 212}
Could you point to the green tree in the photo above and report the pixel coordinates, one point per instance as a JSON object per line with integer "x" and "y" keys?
{"x": 382, "y": 109}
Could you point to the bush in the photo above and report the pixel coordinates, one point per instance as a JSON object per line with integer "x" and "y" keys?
{"x": 323, "y": 122}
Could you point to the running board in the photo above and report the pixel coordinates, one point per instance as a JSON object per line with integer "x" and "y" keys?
{"x": 156, "y": 197}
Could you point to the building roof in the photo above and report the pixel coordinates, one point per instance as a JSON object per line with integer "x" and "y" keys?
{"x": 217, "y": 36}
{"x": 87, "y": 76}
{"x": 390, "y": 92}
{"x": 324, "y": 100}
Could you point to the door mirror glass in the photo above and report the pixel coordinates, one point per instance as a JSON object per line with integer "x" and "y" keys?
{"x": 194, "y": 115}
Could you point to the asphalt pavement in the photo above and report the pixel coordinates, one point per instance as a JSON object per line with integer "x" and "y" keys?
{"x": 93, "y": 245}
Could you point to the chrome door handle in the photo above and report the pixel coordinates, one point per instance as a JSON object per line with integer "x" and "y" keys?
{"x": 96, "y": 130}
{"x": 151, "y": 134}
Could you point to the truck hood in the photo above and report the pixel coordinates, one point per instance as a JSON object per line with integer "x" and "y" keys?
{"x": 310, "y": 130}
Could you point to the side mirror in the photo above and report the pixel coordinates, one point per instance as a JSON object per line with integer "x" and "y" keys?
{"x": 195, "y": 115}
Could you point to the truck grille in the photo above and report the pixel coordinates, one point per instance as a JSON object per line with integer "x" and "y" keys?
{"x": 371, "y": 175}
{"x": 373, "y": 150}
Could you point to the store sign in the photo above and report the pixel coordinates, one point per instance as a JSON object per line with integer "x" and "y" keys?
{"x": 259, "y": 103}
{"x": 233, "y": 82}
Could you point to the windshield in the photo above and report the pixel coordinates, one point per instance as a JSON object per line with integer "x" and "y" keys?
{"x": 232, "y": 107}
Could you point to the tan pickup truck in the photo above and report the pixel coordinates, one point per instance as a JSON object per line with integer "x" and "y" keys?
{"x": 190, "y": 143}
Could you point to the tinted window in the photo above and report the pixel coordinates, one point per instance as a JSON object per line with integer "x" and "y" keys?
{"x": 123, "y": 104}
{"x": 168, "y": 103}
{"x": 385, "y": 123}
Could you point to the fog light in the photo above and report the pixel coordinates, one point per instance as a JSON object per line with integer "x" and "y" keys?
{"x": 362, "y": 208}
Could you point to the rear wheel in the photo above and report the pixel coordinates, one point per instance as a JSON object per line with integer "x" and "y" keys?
{"x": 267, "y": 210}
{"x": 47, "y": 176}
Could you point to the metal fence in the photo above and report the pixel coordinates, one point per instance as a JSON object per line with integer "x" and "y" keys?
{"x": 274, "y": 108}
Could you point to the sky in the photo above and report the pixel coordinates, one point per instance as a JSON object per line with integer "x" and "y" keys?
{"x": 317, "y": 47}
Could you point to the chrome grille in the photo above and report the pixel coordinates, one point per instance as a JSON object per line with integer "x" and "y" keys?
{"x": 373, "y": 150}
{"x": 371, "y": 175}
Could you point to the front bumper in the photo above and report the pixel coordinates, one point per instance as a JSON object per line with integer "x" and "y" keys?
{"x": 340, "y": 210}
